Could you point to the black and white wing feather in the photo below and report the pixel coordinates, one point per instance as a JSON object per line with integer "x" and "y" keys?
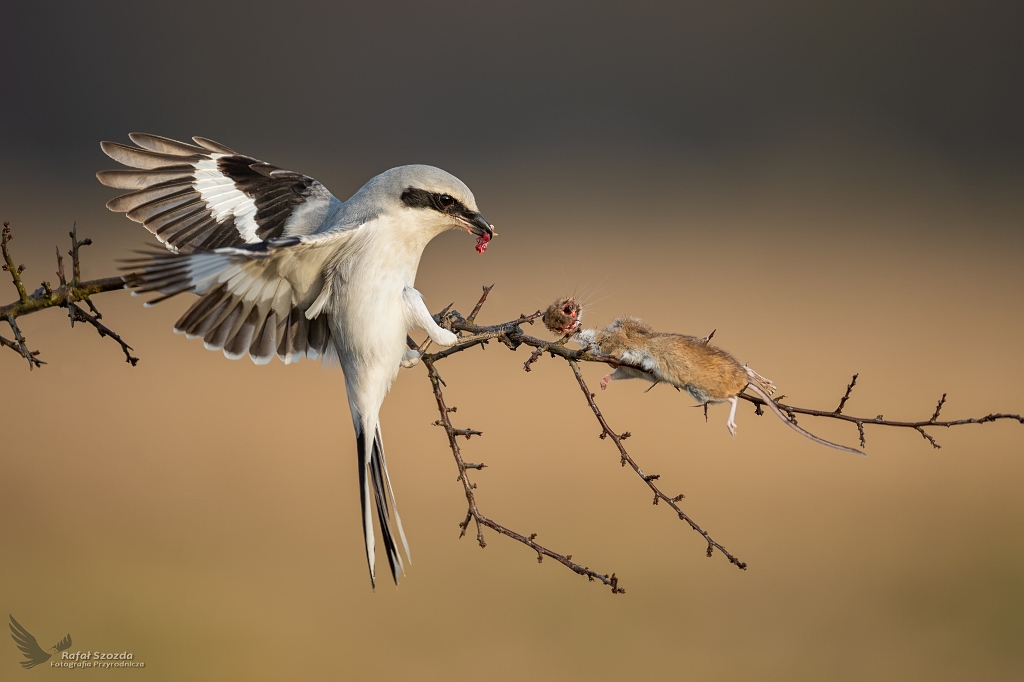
{"x": 258, "y": 299}
{"x": 209, "y": 196}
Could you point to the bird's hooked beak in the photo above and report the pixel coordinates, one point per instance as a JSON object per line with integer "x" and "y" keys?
{"x": 474, "y": 223}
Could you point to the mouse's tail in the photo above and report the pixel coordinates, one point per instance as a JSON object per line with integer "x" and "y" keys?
{"x": 764, "y": 395}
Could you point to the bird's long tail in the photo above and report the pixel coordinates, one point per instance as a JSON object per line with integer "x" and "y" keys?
{"x": 755, "y": 387}
{"x": 373, "y": 469}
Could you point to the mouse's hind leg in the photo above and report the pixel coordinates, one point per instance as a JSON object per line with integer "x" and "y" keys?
{"x": 731, "y": 424}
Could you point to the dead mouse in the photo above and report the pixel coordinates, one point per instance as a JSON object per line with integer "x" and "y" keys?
{"x": 709, "y": 374}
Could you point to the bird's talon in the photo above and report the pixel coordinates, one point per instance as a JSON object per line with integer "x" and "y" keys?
{"x": 411, "y": 358}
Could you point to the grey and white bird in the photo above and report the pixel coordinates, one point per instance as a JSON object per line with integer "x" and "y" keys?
{"x": 283, "y": 267}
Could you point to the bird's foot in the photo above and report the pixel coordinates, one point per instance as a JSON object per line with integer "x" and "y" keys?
{"x": 443, "y": 337}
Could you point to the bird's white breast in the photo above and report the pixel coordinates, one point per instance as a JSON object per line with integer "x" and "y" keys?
{"x": 367, "y": 311}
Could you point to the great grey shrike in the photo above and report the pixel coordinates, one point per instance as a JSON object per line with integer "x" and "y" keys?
{"x": 283, "y": 267}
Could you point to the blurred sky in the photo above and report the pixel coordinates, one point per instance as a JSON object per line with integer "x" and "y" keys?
{"x": 362, "y": 86}
{"x": 836, "y": 187}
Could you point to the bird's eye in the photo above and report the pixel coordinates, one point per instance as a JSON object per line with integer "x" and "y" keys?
{"x": 446, "y": 201}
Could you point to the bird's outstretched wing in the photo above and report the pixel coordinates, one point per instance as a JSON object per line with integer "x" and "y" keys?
{"x": 209, "y": 196}
{"x": 260, "y": 299}
{"x": 28, "y": 645}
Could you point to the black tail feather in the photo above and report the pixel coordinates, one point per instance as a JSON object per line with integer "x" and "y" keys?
{"x": 371, "y": 461}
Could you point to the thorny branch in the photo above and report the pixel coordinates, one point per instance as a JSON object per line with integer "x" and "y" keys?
{"x": 67, "y": 296}
{"x": 511, "y": 335}
{"x": 648, "y": 479}
{"x": 473, "y": 513}
{"x": 918, "y": 426}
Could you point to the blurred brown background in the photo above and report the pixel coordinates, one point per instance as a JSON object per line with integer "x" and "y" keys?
{"x": 834, "y": 187}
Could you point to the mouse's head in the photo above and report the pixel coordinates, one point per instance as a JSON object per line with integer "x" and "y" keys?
{"x": 563, "y": 316}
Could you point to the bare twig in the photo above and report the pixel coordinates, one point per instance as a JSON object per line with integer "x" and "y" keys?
{"x": 9, "y": 266}
{"x": 624, "y": 458}
{"x": 479, "y": 304}
{"x": 474, "y": 514}
{"x": 881, "y": 421}
{"x": 511, "y": 335}
{"x": 846, "y": 396}
{"x": 103, "y": 330}
{"x": 21, "y": 347}
{"x": 64, "y": 296}
{"x": 60, "y": 267}
{"x": 70, "y": 293}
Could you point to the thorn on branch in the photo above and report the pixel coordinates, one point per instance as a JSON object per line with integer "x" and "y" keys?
{"x": 928, "y": 438}
{"x": 465, "y": 524}
{"x": 442, "y": 317}
{"x": 938, "y": 408}
{"x": 21, "y": 346}
{"x": 846, "y": 396}
{"x": 92, "y": 308}
{"x": 615, "y": 585}
{"x": 528, "y": 319}
{"x": 708, "y": 338}
{"x": 9, "y": 266}
{"x": 82, "y": 316}
{"x": 479, "y": 304}
{"x": 60, "y": 267}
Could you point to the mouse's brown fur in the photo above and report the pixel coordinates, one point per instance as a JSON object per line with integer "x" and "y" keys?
{"x": 709, "y": 374}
